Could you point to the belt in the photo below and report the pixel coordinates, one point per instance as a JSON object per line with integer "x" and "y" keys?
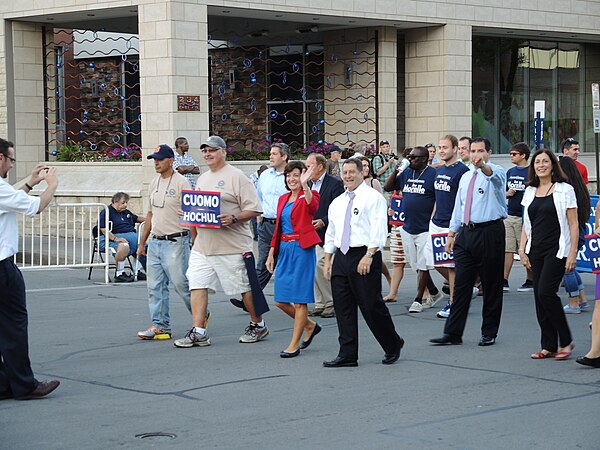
{"x": 171, "y": 237}
{"x": 473, "y": 226}
{"x": 290, "y": 237}
{"x": 269, "y": 220}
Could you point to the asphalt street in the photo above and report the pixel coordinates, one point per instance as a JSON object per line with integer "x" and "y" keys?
{"x": 116, "y": 388}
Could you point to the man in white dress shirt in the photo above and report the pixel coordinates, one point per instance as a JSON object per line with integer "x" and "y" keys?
{"x": 356, "y": 233}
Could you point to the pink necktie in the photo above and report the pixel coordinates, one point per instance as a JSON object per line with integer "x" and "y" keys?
{"x": 469, "y": 201}
{"x": 345, "y": 246}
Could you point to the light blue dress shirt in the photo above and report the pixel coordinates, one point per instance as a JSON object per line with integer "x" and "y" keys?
{"x": 271, "y": 185}
{"x": 489, "y": 197}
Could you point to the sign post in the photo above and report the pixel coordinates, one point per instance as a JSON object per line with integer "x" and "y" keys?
{"x": 596, "y": 120}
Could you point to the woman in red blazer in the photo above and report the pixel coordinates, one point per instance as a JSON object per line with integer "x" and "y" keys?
{"x": 294, "y": 240}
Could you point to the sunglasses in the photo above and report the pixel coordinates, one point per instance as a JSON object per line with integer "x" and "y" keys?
{"x": 416, "y": 156}
{"x": 514, "y": 153}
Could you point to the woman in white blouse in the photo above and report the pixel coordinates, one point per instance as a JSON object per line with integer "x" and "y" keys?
{"x": 549, "y": 248}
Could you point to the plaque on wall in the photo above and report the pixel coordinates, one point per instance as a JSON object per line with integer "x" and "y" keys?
{"x": 188, "y": 103}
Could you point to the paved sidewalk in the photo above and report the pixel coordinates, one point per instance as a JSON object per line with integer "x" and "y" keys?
{"x": 231, "y": 395}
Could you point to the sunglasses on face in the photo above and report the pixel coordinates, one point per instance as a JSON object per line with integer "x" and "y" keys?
{"x": 514, "y": 153}
{"x": 416, "y": 156}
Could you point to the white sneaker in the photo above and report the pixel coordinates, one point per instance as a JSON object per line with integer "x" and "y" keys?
{"x": 444, "y": 312}
{"x": 416, "y": 307}
{"x": 193, "y": 339}
{"x": 474, "y": 294}
{"x": 431, "y": 300}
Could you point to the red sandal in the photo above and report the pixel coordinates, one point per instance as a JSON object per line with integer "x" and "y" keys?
{"x": 542, "y": 355}
{"x": 564, "y": 354}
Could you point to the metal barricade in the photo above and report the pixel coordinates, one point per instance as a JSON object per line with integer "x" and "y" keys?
{"x": 61, "y": 237}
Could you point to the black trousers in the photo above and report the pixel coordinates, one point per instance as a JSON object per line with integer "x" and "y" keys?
{"x": 351, "y": 290}
{"x": 478, "y": 251}
{"x": 548, "y": 272}
{"x": 16, "y": 377}
{"x": 265, "y": 234}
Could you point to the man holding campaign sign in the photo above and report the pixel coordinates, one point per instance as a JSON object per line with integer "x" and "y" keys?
{"x": 446, "y": 182}
{"x": 224, "y": 208}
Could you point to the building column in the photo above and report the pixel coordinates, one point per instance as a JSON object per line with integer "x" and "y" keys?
{"x": 438, "y": 83}
{"x": 173, "y": 61}
{"x": 387, "y": 79}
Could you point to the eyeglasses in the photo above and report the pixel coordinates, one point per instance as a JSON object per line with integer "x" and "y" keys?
{"x": 416, "y": 156}
{"x": 514, "y": 153}
{"x": 13, "y": 160}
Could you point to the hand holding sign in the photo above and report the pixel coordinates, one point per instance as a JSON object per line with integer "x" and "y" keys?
{"x": 397, "y": 217}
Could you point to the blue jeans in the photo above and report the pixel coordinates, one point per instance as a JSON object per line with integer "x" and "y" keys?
{"x": 166, "y": 264}
{"x": 573, "y": 283}
{"x": 132, "y": 239}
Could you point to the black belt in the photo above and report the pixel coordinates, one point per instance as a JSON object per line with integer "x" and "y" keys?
{"x": 269, "y": 220}
{"x": 171, "y": 237}
{"x": 473, "y": 226}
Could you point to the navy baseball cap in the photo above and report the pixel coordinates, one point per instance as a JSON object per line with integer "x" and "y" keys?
{"x": 384, "y": 142}
{"x": 163, "y": 151}
{"x": 335, "y": 148}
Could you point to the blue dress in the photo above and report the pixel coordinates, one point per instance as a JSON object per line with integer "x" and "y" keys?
{"x": 295, "y": 270}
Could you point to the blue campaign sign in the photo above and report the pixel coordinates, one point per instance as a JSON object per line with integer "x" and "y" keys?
{"x": 440, "y": 257}
{"x": 585, "y": 256}
{"x": 592, "y": 253}
{"x": 200, "y": 209}
{"x": 396, "y": 205}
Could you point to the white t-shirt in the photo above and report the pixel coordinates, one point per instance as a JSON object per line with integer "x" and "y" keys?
{"x": 13, "y": 201}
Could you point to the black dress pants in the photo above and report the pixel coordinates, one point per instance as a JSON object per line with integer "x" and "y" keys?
{"x": 16, "y": 377}
{"x": 479, "y": 250}
{"x": 351, "y": 290}
{"x": 548, "y": 272}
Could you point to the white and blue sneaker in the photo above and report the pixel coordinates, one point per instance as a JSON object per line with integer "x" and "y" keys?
{"x": 444, "y": 312}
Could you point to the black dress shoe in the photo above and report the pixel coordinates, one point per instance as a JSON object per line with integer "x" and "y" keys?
{"x": 591, "y": 362}
{"x": 391, "y": 358}
{"x": 486, "y": 340}
{"x": 316, "y": 331}
{"x": 340, "y": 362}
{"x": 238, "y": 303}
{"x": 289, "y": 355}
{"x": 446, "y": 340}
{"x": 141, "y": 276}
{"x": 43, "y": 388}
{"x": 5, "y": 395}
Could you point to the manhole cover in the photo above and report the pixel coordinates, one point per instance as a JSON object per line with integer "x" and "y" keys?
{"x": 156, "y": 435}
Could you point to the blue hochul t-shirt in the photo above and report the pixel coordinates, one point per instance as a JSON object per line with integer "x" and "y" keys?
{"x": 446, "y": 187}
{"x": 516, "y": 177}
{"x": 418, "y": 198}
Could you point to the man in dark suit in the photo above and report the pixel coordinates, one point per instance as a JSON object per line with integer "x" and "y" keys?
{"x": 328, "y": 188}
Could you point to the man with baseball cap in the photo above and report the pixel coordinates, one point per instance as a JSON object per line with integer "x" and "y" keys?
{"x": 168, "y": 243}
{"x": 217, "y": 257}
{"x": 384, "y": 163}
{"x": 333, "y": 165}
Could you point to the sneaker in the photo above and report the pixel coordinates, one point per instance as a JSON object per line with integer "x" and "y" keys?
{"x": 569, "y": 310}
{"x": 505, "y": 286}
{"x": 475, "y": 293}
{"x": 416, "y": 307}
{"x": 431, "y": 300}
{"x": 526, "y": 287}
{"x": 328, "y": 313}
{"x": 154, "y": 333}
{"x": 193, "y": 339}
{"x": 124, "y": 278}
{"x": 584, "y": 305}
{"x": 444, "y": 312}
{"x": 254, "y": 333}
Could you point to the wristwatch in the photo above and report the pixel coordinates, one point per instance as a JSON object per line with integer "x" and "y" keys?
{"x": 369, "y": 254}
{"x": 233, "y": 219}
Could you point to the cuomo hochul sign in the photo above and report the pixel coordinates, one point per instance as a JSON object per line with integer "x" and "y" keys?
{"x": 200, "y": 209}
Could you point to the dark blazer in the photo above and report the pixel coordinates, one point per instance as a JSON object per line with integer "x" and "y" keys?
{"x": 301, "y": 216}
{"x": 331, "y": 188}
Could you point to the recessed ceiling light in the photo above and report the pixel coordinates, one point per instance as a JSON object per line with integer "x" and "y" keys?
{"x": 278, "y": 15}
{"x": 316, "y": 18}
{"x": 226, "y": 11}
{"x": 50, "y": 18}
{"x": 91, "y": 15}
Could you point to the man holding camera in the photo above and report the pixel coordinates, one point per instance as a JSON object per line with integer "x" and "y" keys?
{"x": 384, "y": 162}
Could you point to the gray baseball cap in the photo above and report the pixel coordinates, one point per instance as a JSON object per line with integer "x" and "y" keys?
{"x": 214, "y": 142}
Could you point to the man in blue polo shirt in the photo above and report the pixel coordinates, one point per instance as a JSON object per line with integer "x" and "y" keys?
{"x": 417, "y": 186}
{"x": 516, "y": 177}
{"x": 122, "y": 237}
{"x": 447, "y": 177}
